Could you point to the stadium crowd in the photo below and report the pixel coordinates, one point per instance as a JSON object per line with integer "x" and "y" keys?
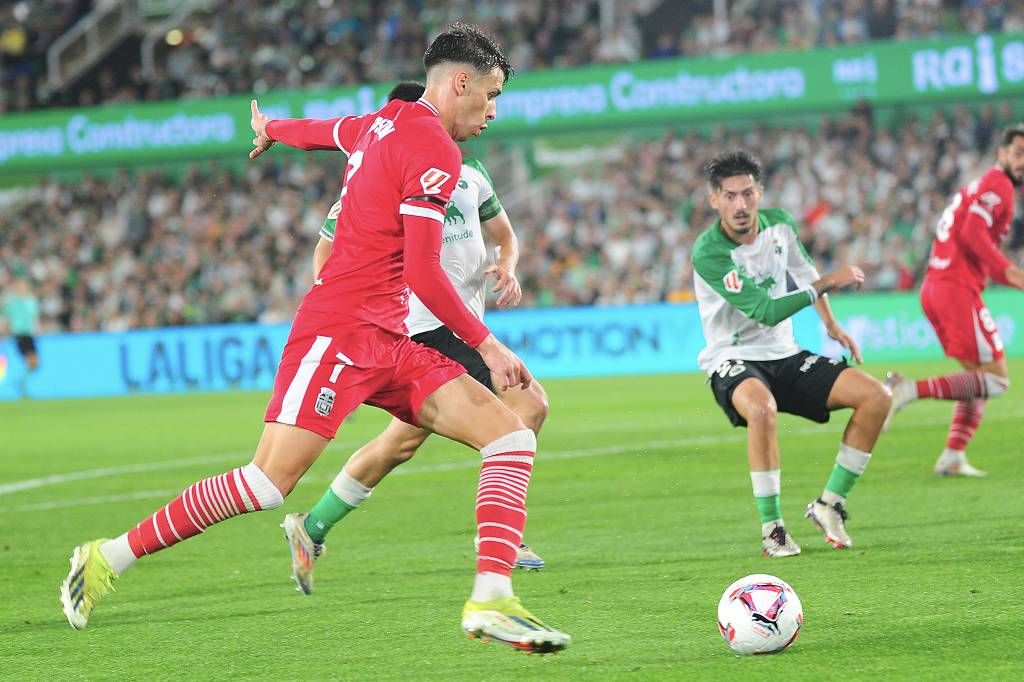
{"x": 215, "y": 244}
{"x": 241, "y": 46}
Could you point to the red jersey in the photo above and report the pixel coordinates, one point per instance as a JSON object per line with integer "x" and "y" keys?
{"x": 402, "y": 164}
{"x": 968, "y": 235}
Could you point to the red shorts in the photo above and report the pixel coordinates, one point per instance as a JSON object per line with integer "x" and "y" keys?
{"x": 963, "y": 324}
{"x": 330, "y": 365}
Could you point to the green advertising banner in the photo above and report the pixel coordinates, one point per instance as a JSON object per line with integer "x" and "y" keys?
{"x": 663, "y": 91}
{"x": 892, "y": 327}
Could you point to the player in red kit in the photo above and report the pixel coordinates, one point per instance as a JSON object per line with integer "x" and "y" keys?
{"x": 965, "y": 254}
{"x": 348, "y": 343}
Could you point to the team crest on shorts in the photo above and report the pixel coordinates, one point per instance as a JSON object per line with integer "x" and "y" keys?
{"x": 324, "y": 402}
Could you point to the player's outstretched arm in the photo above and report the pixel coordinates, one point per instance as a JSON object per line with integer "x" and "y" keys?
{"x": 329, "y": 134}
{"x": 741, "y": 292}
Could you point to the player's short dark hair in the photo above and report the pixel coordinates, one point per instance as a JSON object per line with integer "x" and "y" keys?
{"x": 464, "y": 43}
{"x": 407, "y": 91}
{"x": 1010, "y": 134}
{"x": 729, "y": 164}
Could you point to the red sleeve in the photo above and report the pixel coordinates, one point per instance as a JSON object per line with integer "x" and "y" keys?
{"x": 430, "y": 168}
{"x": 427, "y": 280}
{"x": 976, "y": 238}
{"x": 335, "y": 134}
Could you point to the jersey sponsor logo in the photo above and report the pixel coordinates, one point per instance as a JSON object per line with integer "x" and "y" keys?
{"x": 382, "y": 127}
{"x": 324, "y": 401}
{"x": 452, "y": 213}
{"x": 432, "y": 179}
{"x": 990, "y": 199}
{"x": 452, "y": 237}
{"x": 463, "y": 184}
{"x": 732, "y": 282}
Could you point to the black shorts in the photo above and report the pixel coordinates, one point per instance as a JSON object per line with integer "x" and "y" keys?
{"x": 26, "y": 345}
{"x": 800, "y": 383}
{"x": 444, "y": 341}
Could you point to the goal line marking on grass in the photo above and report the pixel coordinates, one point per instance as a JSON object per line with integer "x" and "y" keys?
{"x": 605, "y": 450}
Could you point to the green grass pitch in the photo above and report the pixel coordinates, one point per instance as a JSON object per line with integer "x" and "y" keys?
{"x": 640, "y": 503}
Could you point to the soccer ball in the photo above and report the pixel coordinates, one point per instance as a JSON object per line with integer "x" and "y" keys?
{"x": 759, "y": 614}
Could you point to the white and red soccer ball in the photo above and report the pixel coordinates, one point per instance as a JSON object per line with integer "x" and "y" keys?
{"x": 759, "y": 614}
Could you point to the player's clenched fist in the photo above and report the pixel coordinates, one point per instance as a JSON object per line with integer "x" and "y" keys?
{"x": 848, "y": 275}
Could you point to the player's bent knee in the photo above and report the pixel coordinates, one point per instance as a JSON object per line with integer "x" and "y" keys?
{"x": 996, "y": 385}
{"x": 261, "y": 491}
{"x": 537, "y": 410}
{"x": 763, "y": 414}
{"x": 879, "y": 399}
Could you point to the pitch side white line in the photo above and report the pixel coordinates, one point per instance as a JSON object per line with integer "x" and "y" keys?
{"x": 424, "y": 469}
{"x": 86, "y": 474}
{"x": 473, "y": 463}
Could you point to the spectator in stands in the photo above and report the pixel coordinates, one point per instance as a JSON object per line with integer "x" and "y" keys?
{"x": 242, "y": 46}
{"x": 201, "y": 245}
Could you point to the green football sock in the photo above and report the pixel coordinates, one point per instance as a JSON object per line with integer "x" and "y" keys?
{"x": 767, "y": 488}
{"x": 841, "y": 481}
{"x": 324, "y": 514}
{"x": 770, "y": 508}
{"x": 850, "y": 464}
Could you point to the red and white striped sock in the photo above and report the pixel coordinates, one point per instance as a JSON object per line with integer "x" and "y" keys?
{"x": 959, "y": 386}
{"x": 501, "y": 511}
{"x": 966, "y": 418}
{"x": 212, "y": 500}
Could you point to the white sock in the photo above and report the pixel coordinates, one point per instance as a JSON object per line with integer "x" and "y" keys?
{"x": 118, "y": 554}
{"x": 488, "y": 586}
{"x": 349, "y": 490}
{"x": 949, "y": 456}
{"x": 766, "y": 483}
{"x": 262, "y": 487}
{"x": 830, "y": 498}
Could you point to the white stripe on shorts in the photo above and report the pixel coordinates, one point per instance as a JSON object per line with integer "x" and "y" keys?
{"x": 985, "y": 353}
{"x": 300, "y": 382}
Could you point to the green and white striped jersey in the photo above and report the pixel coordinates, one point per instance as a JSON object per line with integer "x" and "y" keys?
{"x": 463, "y": 251}
{"x": 741, "y": 290}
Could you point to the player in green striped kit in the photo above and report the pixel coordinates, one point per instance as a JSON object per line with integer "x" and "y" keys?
{"x": 742, "y": 264}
